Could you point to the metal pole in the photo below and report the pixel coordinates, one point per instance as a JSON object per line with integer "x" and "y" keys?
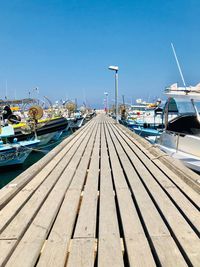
{"x": 116, "y": 95}
{"x": 6, "y": 90}
{"x": 123, "y": 101}
{"x": 177, "y": 143}
{"x": 106, "y": 103}
{"x": 179, "y": 67}
{"x": 105, "y": 106}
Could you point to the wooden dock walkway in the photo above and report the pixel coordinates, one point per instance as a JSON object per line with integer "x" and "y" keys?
{"x": 101, "y": 198}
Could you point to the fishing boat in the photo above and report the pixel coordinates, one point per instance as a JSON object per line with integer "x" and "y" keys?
{"x": 145, "y": 132}
{"x": 135, "y": 112}
{"x": 46, "y": 130}
{"x": 144, "y": 114}
{"x": 181, "y": 137}
{"x": 76, "y": 121}
{"x": 15, "y": 152}
{"x": 35, "y": 121}
{"x": 145, "y": 120}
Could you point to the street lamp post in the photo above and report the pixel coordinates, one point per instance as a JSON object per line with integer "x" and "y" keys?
{"x": 115, "y": 68}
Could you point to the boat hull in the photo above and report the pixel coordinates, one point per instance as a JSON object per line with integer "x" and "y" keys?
{"x": 46, "y": 133}
{"x": 183, "y": 147}
{"x": 16, "y": 154}
{"x": 144, "y": 132}
{"x": 189, "y": 144}
{"x": 75, "y": 123}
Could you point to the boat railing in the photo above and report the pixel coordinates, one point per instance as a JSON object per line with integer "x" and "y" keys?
{"x": 178, "y": 134}
{"x": 177, "y": 142}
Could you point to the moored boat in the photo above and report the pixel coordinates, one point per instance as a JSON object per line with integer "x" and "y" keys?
{"x": 34, "y": 121}
{"x": 46, "y": 130}
{"x": 15, "y": 152}
{"x": 181, "y": 137}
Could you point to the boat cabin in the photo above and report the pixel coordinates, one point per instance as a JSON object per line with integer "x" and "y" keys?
{"x": 182, "y": 115}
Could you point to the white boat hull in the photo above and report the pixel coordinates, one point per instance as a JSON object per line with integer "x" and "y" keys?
{"x": 185, "y": 148}
{"x": 189, "y": 144}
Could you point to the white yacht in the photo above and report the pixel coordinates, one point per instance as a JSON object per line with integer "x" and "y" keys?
{"x": 181, "y": 137}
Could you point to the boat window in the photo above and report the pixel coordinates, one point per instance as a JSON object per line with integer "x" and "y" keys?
{"x": 172, "y": 107}
{"x": 185, "y": 106}
{"x": 184, "y": 124}
{"x": 197, "y": 104}
{"x": 140, "y": 108}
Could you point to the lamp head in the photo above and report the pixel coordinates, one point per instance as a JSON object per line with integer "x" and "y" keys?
{"x": 116, "y": 68}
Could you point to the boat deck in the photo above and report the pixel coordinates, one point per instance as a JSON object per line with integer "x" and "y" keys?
{"x": 100, "y": 198}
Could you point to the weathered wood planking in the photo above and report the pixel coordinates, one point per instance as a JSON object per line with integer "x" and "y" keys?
{"x": 57, "y": 244}
{"x": 109, "y": 245}
{"x": 82, "y": 252}
{"x": 36, "y": 234}
{"x": 49, "y": 190}
{"x": 52, "y": 169}
{"x": 138, "y": 249}
{"x": 185, "y": 236}
{"x": 155, "y": 226}
{"x": 175, "y": 178}
{"x": 7, "y": 192}
{"x": 170, "y": 188}
{"x": 101, "y": 199}
{"x": 184, "y": 173}
{"x": 36, "y": 199}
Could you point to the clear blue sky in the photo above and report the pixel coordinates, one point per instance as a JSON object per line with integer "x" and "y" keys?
{"x": 65, "y": 46}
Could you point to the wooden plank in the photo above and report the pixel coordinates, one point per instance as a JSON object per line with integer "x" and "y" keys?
{"x": 157, "y": 157}
{"x": 136, "y": 244}
{"x": 169, "y": 180}
{"x": 86, "y": 225}
{"x": 193, "y": 195}
{"x": 82, "y": 253}
{"x": 162, "y": 245}
{"x": 178, "y": 197}
{"x": 10, "y": 190}
{"x": 138, "y": 249}
{"x": 54, "y": 252}
{"x": 151, "y": 217}
{"x": 53, "y": 168}
{"x": 6, "y": 246}
{"x": 109, "y": 252}
{"x": 82, "y": 250}
{"x": 119, "y": 179}
{"x": 145, "y": 210}
{"x": 184, "y": 173}
{"x": 31, "y": 244}
{"x": 36, "y": 199}
{"x": 181, "y": 229}
{"x": 40, "y": 225}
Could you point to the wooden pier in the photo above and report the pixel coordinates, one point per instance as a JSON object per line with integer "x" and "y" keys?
{"x": 105, "y": 198}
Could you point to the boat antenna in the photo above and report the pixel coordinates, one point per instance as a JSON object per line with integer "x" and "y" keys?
{"x": 179, "y": 68}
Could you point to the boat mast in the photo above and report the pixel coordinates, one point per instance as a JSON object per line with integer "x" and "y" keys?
{"x": 179, "y": 68}
{"x": 6, "y": 90}
{"x": 192, "y": 100}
